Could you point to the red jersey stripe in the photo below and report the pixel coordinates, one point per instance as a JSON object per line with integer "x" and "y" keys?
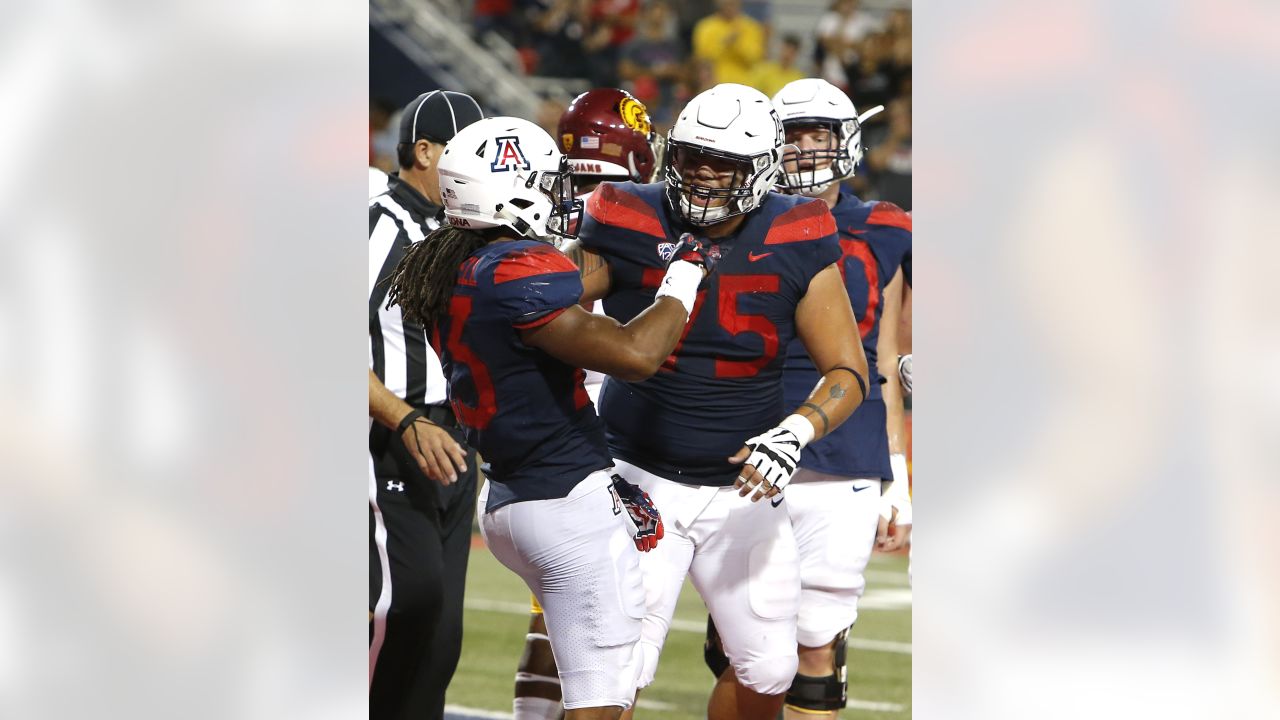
{"x": 611, "y": 206}
{"x": 518, "y": 266}
{"x": 807, "y": 221}
{"x": 886, "y": 213}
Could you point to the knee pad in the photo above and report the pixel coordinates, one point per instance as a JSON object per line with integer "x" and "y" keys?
{"x": 770, "y": 675}
{"x": 713, "y": 651}
{"x": 829, "y": 692}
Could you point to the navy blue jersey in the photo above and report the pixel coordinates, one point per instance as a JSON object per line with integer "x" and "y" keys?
{"x": 875, "y": 240}
{"x": 525, "y": 411}
{"x": 722, "y": 384}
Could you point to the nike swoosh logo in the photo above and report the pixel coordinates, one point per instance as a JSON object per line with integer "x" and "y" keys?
{"x": 860, "y": 489}
{"x": 777, "y": 502}
{"x": 754, "y": 257}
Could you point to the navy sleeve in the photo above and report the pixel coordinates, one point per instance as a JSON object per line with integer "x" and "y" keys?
{"x": 808, "y": 231}
{"x": 887, "y": 215}
{"x": 534, "y": 285}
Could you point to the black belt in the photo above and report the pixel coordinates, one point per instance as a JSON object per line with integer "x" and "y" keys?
{"x": 441, "y": 415}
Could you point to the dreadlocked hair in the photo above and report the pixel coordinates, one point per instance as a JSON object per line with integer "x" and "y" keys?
{"x": 423, "y": 280}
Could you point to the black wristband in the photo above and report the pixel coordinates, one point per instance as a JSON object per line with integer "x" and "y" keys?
{"x": 862, "y": 383}
{"x": 409, "y": 419}
{"x": 825, "y": 424}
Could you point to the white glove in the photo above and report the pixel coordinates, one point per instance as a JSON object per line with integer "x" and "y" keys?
{"x": 904, "y": 372}
{"x": 898, "y": 495}
{"x": 775, "y": 455}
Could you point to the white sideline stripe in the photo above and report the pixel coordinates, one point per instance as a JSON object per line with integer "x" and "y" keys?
{"x": 476, "y": 713}
{"x": 876, "y": 706}
{"x": 886, "y": 576}
{"x": 654, "y": 705}
{"x": 516, "y": 608}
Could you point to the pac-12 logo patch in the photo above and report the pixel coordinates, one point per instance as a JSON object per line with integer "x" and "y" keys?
{"x": 509, "y": 155}
{"x": 666, "y": 250}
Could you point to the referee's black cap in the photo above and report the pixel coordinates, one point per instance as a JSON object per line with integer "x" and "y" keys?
{"x": 438, "y": 116}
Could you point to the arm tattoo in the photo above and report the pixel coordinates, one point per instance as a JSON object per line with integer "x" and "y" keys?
{"x": 821, "y": 415}
{"x": 588, "y": 262}
{"x": 837, "y": 391}
{"x": 862, "y": 383}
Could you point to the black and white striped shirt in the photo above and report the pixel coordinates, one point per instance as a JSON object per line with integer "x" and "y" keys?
{"x": 398, "y": 352}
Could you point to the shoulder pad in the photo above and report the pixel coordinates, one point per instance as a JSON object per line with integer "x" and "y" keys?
{"x": 806, "y": 221}
{"x": 531, "y": 261}
{"x": 888, "y": 214}
{"x": 611, "y": 205}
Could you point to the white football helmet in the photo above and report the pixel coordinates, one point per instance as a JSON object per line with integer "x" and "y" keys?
{"x": 730, "y": 126}
{"x": 508, "y": 172}
{"x": 814, "y": 101}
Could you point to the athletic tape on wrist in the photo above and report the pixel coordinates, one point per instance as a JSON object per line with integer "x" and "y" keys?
{"x": 681, "y": 282}
{"x": 897, "y": 494}
{"x": 799, "y": 426}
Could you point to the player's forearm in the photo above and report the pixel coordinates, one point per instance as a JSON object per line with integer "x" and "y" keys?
{"x": 652, "y": 335}
{"x": 887, "y": 350}
{"x": 895, "y": 412}
{"x": 384, "y": 406}
{"x": 835, "y": 398}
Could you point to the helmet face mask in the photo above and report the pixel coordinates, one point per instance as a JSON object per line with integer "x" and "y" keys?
{"x": 709, "y": 186}
{"x": 566, "y": 210}
{"x": 811, "y": 170}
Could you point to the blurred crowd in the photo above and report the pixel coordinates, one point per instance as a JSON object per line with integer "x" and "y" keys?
{"x": 664, "y": 52}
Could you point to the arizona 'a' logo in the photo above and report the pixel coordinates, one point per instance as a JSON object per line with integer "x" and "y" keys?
{"x": 509, "y": 156}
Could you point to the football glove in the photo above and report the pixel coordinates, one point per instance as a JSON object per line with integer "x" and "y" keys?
{"x": 699, "y": 252}
{"x": 904, "y": 372}
{"x": 642, "y": 517}
{"x": 776, "y": 453}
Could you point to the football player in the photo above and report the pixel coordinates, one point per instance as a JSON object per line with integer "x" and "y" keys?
{"x": 709, "y": 437}
{"x": 607, "y": 135}
{"x": 835, "y": 500}
{"x": 501, "y": 306}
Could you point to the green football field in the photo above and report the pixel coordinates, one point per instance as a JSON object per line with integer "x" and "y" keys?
{"x": 497, "y": 617}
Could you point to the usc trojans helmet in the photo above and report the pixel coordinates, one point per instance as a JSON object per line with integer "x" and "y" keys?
{"x": 607, "y": 135}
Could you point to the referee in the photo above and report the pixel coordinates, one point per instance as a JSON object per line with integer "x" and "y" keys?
{"x": 421, "y": 500}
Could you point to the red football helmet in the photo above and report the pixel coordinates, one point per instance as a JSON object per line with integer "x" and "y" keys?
{"x": 607, "y": 135}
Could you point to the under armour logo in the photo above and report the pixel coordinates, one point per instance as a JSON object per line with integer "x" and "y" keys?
{"x": 397, "y": 486}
